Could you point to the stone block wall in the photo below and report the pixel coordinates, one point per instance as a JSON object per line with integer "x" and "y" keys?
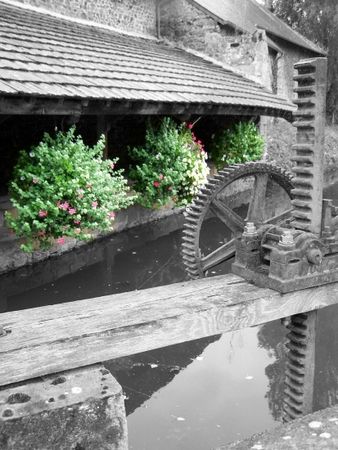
{"x": 128, "y": 15}
{"x": 188, "y": 26}
{"x": 291, "y": 54}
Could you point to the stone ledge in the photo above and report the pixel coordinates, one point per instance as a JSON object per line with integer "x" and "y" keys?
{"x": 78, "y": 409}
{"x": 12, "y": 257}
{"x": 312, "y": 432}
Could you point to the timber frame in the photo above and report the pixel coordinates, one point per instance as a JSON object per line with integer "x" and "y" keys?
{"x": 25, "y": 105}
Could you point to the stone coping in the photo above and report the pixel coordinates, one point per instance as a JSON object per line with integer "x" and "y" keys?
{"x": 317, "y": 431}
{"x": 13, "y": 258}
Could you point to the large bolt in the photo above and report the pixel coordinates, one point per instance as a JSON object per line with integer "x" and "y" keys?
{"x": 314, "y": 256}
{"x": 250, "y": 229}
{"x": 286, "y": 238}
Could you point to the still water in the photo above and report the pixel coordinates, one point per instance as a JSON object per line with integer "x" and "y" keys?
{"x": 193, "y": 396}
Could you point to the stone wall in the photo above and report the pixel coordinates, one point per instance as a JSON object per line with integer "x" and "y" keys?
{"x": 190, "y": 27}
{"x": 129, "y": 15}
{"x": 291, "y": 54}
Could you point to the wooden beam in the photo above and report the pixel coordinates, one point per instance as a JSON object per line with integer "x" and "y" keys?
{"x": 40, "y": 106}
{"x": 75, "y": 107}
{"x": 53, "y": 338}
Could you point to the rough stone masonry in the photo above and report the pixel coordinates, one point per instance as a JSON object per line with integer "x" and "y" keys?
{"x": 82, "y": 409}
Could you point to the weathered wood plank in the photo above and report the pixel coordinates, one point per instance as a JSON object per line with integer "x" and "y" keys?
{"x": 69, "y": 335}
{"x": 37, "y": 105}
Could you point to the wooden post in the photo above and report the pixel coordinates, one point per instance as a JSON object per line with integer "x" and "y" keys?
{"x": 79, "y": 409}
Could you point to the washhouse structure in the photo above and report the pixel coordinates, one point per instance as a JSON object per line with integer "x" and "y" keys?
{"x": 103, "y": 66}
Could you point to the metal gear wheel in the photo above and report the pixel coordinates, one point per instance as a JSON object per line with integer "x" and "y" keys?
{"x": 216, "y": 199}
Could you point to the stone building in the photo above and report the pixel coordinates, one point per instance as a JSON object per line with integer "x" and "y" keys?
{"x": 241, "y": 33}
{"x": 249, "y": 38}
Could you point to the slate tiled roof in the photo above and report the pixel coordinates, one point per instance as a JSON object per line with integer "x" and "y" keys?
{"x": 250, "y": 15}
{"x": 47, "y": 56}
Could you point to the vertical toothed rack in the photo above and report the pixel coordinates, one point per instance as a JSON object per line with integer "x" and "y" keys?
{"x": 300, "y": 366}
{"x": 308, "y": 153}
{"x": 308, "y": 156}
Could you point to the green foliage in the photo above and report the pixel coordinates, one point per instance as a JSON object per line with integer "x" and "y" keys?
{"x": 170, "y": 166}
{"x": 64, "y": 188}
{"x": 241, "y": 143}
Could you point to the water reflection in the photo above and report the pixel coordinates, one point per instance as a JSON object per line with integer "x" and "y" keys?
{"x": 217, "y": 398}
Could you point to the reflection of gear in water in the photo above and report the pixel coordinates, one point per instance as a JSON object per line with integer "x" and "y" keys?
{"x": 212, "y": 199}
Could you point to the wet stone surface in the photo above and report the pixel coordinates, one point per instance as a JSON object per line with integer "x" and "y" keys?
{"x": 313, "y": 432}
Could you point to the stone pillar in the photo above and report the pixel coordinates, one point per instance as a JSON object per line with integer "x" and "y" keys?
{"x": 82, "y": 409}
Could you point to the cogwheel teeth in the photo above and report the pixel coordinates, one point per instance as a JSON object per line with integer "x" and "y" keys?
{"x": 196, "y": 212}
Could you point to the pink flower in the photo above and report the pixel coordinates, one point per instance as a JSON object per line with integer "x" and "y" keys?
{"x": 71, "y": 211}
{"x": 43, "y": 213}
{"x": 161, "y": 176}
{"x": 199, "y": 142}
{"x": 190, "y": 126}
{"x": 94, "y": 205}
{"x": 77, "y": 230}
{"x": 156, "y": 184}
{"x": 60, "y": 240}
{"x": 63, "y": 205}
{"x": 41, "y": 233}
{"x": 112, "y": 165}
{"x": 170, "y": 188}
{"x": 111, "y": 215}
{"x": 77, "y": 222}
{"x": 35, "y": 181}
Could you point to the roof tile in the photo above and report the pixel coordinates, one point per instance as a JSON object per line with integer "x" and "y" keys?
{"x": 44, "y": 55}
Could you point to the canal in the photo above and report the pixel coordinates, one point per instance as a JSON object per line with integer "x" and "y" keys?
{"x": 195, "y": 395}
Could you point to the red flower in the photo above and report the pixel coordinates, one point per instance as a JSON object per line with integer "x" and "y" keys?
{"x": 190, "y": 126}
{"x": 156, "y": 184}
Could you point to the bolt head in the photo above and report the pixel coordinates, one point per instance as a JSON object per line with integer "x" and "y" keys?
{"x": 250, "y": 229}
{"x": 286, "y": 238}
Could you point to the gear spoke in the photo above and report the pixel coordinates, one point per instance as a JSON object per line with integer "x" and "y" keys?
{"x": 256, "y": 211}
{"x": 227, "y": 216}
{"x": 279, "y": 218}
{"x": 219, "y": 255}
